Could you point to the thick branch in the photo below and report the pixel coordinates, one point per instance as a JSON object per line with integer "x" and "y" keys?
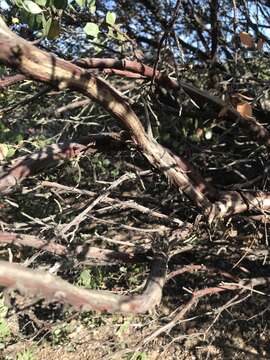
{"x": 41, "y": 66}
{"x": 44, "y": 285}
{"x": 233, "y": 202}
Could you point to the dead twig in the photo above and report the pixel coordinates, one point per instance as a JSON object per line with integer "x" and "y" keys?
{"x": 128, "y": 204}
{"x": 82, "y": 216}
{"x": 53, "y": 155}
{"x": 85, "y": 253}
{"x": 197, "y": 295}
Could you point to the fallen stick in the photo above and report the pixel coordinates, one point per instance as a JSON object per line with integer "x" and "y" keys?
{"x": 44, "y": 285}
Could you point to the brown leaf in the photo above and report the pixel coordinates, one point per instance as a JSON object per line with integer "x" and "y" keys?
{"x": 245, "y": 110}
{"x": 199, "y": 133}
{"x": 260, "y": 44}
{"x": 247, "y": 39}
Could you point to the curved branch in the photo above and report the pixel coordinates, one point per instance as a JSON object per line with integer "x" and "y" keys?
{"x": 41, "y": 66}
{"x": 51, "y": 288}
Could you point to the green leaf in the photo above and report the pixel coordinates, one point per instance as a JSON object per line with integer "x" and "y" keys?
{"x": 85, "y": 278}
{"x": 111, "y": 33}
{"x": 91, "y": 6}
{"x": 81, "y": 3}
{"x": 11, "y": 151}
{"x": 32, "y": 7}
{"x": 38, "y": 21}
{"x": 91, "y": 29}
{"x": 110, "y": 18}
{"x": 92, "y": 9}
{"x": 120, "y": 36}
{"x": 54, "y": 30}
{"x": 46, "y": 25}
{"x": 41, "y": 2}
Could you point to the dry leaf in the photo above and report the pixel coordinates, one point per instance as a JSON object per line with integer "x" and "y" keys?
{"x": 260, "y": 44}
{"x": 245, "y": 110}
{"x": 247, "y": 39}
{"x": 199, "y": 133}
{"x": 3, "y": 151}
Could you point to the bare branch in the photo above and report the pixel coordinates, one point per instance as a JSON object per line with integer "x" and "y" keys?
{"x": 84, "y": 253}
{"x": 11, "y": 80}
{"x": 128, "y": 204}
{"x": 41, "y": 66}
{"x": 54, "y": 154}
{"x": 44, "y": 285}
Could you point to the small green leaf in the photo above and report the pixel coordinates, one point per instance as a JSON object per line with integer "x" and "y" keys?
{"x": 92, "y": 9}
{"x": 46, "y": 25}
{"x": 41, "y": 2}
{"x": 32, "y": 7}
{"x": 54, "y": 30}
{"x": 19, "y": 138}
{"x": 85, "y": 278}
{"x": 11, "y": 151}
{"x": 110, "y": 18}
{"x": 111, "y": 33}
{"x": 92, "y": 6}
{"x": 81, "y": 3}
{"x": 91, "y": 29}
{"x": 120, "y": 36}
{"x": 38, "y": 21}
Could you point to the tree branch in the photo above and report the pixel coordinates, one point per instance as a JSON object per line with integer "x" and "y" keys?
{"x": 41, "y": 284}
{"x": 41, "y": 66}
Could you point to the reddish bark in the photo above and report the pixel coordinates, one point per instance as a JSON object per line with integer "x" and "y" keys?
{"x": 41, "y": 66}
